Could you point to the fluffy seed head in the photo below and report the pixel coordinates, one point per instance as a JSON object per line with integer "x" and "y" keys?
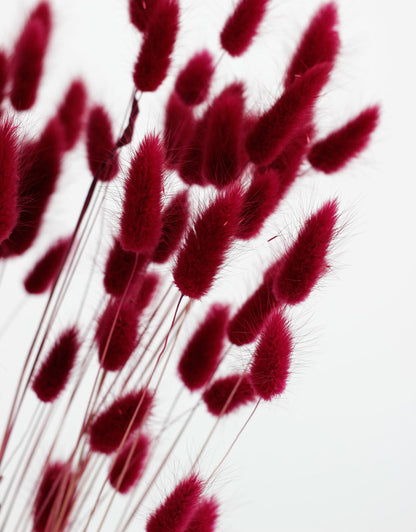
{"x": 193, "y": 82}
{"x": 8, "y": 177}
{"x": 206, "y": 245}
{"x": 116, "y": 344}
{"x": 141, "y": 221}
{"x": 39, "y": 168}
{"x": 178, "y": 130}
{"x": 289, "y": 161}
{"x": 320, "y": 43}
{"x": 140, "y": 12}
{"x": 143, "y": 291}
{"x": 119, "y": 267}
{"x": 44, "y": 272}
{"x": 175, "y": 217}
{"x": 4, "y": 73}
{"x": 28, "y": 58}
{"x": 219, "y": 393}
{"x": 304, "y": 263}
{"x": 127, "y": 468}
{"x": 108, "y": 429}
{"x": 190, "y": 165}
{"x": 176, "y": 512}
{"x": 259, "y": 201}
{"x": 201, "y": 356}
{"x": 287, "y": 117}
{"x": 51, "y": 493}
{"x": 71, "y": 113}
{"x": 205, "y": 517}
{"x": 271, "y": 360}
{"x": 221, "y": 162}
{"x": 154, "y": 59}
{"x": 242, "y": 26}
{"x": 339, "y": 147}
{"x": 249, "y": 319}
{"x": 55, "y": 371}
{"x": 102, "y": 159}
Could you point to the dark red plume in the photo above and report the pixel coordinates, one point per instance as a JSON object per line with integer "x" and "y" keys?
{"x": 190, "y": 165}
{"x": 28, "y": 58}
{"x": 222, "y": 147}
{"x": 193, "y": 81}
{"x": 39, "y": 168}
{"x": 259, "y": 201}
{"x": 178, "y": 130}
{"x": 116, "y": 343}
{"x": 102, "y": 158}
{"x": 52, "y": 493}
{"x": 287, "y": 117}
{"x": 154, "y": 59}
{"x": 242, "y": 26}
{"x": 71, "y": 113}
{"x": 54, "y": 373}
{"x": 141, "y": 220}
{"x": 128, "y": 466}
{"x": 43, "y": 274}
{"x": 175, "y": 219}
{"x": 304, "y": 263}
{"x": 9, "y": 179}
{"x": 108, "y": 429}
{"x": 271, "y": 360}
{"x": 219, "y": 393}
{"x": 319, "y": 44}
{"x": 202, "y": 353}
{"x": 141, "y": 11}
{"x": 205, "y": 517}
{"x": 206, "y": 245}
{"x": 339, "y": 147}
{"x": 176, "y": 512}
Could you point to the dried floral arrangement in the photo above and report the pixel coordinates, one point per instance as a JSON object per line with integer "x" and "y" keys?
{"x": 95, "y": 419}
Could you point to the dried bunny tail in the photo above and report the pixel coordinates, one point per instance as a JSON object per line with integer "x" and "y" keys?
{"x": 304, "y": 263}
{"x": 28, "y": 58}
{"x": 175, "y": 219}
{"x": 205, "y": 516}
{"x": 53, "y": 374}
{"x": 339, "y": 147}
{"x": 242, "y": 26}
{"x": 178, "y": 129}
{"x": 190, "y": 165}
{"x": 178, "y": 509}
{"x": 108, "y": 429}
{"x": 102, "y": 158}
{"x": 203, "y": 351}
{"x": 141, "y": 11}
{"x": 71, "y": 112}
{"x": 153, "y": 62}
{"x": 194, "y": 80}
{"x": 4, "y": 74}
{"x": 289, "y": 162}
{"x": 143, "y": 290}
{"x": 39, "y": 169}
{"x": 234, "y": 391}
{"x": 287, "y": 117}
{"x": 119, "y": 268}
{"x": 270, "y": 364}
{"x": 260, "y": 200}
{"x": 221, "y": 163}
{"x": 116, "y": 334}
{"x": 141, "y": 220}
{"x": 320, "y": 43}
{"x": 51, "y": 493}
{"x": 42, "y": 275}
{"x": 9, "y": 178}
{"x": 206, "y": 244}
{"x": 248, "y": 321}
{"x": 128, "y": 466}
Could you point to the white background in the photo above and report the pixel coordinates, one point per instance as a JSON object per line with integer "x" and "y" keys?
{"x": 338, "y": 451}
